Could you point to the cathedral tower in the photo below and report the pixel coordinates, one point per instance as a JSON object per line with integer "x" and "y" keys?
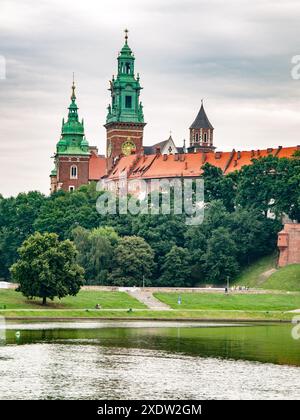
{"x": 201, "y": 133}
{"x": 72, "y": 153}
{"x": 125, "y": 119}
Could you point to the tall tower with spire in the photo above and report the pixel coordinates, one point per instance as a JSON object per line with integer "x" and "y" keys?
{"x": 201, "y": 133}
{"x": 72, "y": 152}
{"x": 125, "y": 118}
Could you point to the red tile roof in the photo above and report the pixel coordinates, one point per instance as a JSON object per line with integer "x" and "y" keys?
{"x": 189, "y": 164}
{"x": 97, "y": 167}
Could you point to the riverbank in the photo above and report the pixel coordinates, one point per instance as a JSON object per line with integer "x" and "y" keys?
{"x": 139, "y": 314}
{"x": 119, "y": 305}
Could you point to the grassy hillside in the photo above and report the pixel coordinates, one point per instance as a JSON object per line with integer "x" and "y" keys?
{"x": 286, "y": 278}
{"x": 254, "y": 275}
{"x": 260, "y": 275}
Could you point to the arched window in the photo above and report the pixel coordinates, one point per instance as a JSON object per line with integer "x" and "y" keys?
{"x": 73, "y": 172}
{"x": 127, "y": 66}
{"x": 205, "y": 137}
{"x": 197, "y": 137}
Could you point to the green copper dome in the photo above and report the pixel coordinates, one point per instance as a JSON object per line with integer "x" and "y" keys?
{"x": 72, "y": 141}
{"x": 125, "y": 90}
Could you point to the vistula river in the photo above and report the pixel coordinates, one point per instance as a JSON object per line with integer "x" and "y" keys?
{"x": 149, "y": 360}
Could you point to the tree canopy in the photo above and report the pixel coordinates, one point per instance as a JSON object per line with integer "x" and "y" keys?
{"x": 47, "y": 268}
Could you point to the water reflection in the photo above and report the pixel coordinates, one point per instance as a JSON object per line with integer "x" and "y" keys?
{"x": 150, "y": 361}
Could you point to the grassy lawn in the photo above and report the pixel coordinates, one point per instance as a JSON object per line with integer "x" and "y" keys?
{"x": 148, "y": 314}
{"x": 220, "y": 301}
{"x": 84, "y": 300}
{"x": 252, "y": 276}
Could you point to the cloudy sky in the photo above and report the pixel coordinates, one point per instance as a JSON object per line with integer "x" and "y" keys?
{"x": 235, "y": 54}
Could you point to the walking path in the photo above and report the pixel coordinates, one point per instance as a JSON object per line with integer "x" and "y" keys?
{"x": 147, "y": 298}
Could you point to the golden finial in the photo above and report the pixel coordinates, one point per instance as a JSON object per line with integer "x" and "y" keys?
{"x": 73, "y": 97}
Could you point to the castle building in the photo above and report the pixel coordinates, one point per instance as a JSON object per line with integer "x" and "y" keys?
{"x": 77, "y": 163}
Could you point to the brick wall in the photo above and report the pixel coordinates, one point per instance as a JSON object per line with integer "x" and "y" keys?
{"x": 64, "y": 180}
{"x": 289, "y": 245}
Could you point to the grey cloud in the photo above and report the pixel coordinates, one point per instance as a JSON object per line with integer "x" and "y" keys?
{"x": 235, "y": 54}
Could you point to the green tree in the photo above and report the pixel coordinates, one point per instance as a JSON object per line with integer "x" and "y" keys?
{"x": 176, "y": 270}
{"x": 95, "y": 251}
{"x": 47, "y": 268}
{"x": 133, "y": 261}
{"x": 17, "y": 215}
{"x": 271, "y": 184}
{"x": 219, "y": 260}
{"x": 218, "y": 186}
{"x": 161, "y": 232}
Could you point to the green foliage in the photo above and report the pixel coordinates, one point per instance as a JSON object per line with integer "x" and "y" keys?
{"x": 161, "y": 232}
{"x": 219, "y": 260}
{"x": 236, "y": 210}
{"x": 17, "y": 216}
{"x": 63, "y": 211}
{"x": 133, "y": 261}
{"x": 218, "y": 187}
{"x": 47, "y": 268}
{"x": 176, "y": 270}
{"x": 95, "y": 251}
{"x": 271, "y": 184}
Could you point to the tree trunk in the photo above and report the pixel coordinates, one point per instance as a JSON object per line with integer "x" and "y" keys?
{"x": 44, "y": 300}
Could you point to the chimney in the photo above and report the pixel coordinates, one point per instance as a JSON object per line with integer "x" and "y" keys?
{"x": 165, "y": 157}
{"x": 239, "y": 155}
{"x": 258, "y": 152}
{"x": 252, "y": 153}
{"x": 157, "y": 150}
{"x": 218, "y": 155}
{"x": 270, "y": 150}
{"x": 176, "y": 157}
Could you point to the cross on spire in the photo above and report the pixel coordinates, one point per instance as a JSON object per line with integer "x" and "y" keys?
{"x": 126, "y": 35}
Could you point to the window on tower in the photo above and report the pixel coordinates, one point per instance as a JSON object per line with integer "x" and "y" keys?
{"x": 197, "y": 137}
{"x": 73, "y": 172}
{"x": 205, "y": 137}
{"x": 127, "y": 67}
{"x": 128, "y": 101}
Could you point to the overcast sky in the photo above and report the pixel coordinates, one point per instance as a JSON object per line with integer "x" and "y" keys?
{"x": 236, "y": 54}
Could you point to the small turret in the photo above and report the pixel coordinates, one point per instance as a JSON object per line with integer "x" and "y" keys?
{"x": 201, "y": 132}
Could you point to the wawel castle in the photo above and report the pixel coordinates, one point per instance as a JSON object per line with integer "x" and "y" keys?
{"x": 78, "y": 163}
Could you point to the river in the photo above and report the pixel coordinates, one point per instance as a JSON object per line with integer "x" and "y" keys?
{"x": 149, "y": 360}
